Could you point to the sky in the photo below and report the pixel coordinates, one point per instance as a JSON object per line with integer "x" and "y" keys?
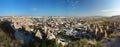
{"x": 59, "y": 7}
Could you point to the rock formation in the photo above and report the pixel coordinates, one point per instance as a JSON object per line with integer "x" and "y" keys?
{"x": 38, "y": 34}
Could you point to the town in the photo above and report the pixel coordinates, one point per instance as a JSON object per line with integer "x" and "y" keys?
{"x": 56, "y": 31}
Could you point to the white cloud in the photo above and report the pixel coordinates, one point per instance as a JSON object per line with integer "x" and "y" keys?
{"x": 110, "y": 12}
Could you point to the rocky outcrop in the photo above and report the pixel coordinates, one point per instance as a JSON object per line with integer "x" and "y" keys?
{"x": 50, "y": 35}
{"x": 38, "y": 34}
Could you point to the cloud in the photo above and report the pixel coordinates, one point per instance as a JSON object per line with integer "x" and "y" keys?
{"x": 110, "y": 12}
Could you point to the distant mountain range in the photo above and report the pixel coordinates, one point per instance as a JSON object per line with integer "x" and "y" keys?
{"x": 116, "y": 16}
{"x": 96, "y": 16}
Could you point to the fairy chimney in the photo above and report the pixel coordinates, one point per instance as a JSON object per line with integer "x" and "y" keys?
{"x": 38, "y": 34}
{"x": 105, "y": 34}
{"x": 45, "y": 29}
{"x": 101, "y": 30}
{"x": 50, "y": 35}
{"x": 96, "y": 30}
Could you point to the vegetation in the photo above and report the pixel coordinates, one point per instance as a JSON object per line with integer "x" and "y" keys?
{"x": 7, "y": 36}
{"x": 6, "y": 41}
{"x": 47, "y": 43}
{"x": 114, "y": 35}
{"x": 84, "y": 43}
